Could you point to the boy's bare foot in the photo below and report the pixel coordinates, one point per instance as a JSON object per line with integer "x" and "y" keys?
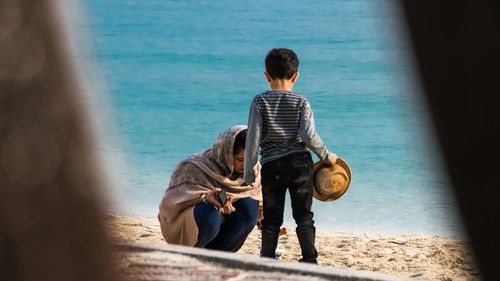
{"x": 283, "y": 231}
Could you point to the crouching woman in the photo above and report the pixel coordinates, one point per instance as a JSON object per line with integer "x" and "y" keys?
{"x": 191, "y": 213}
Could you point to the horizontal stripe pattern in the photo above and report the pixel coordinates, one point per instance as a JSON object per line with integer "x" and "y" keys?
{"x": 280, "y": 112}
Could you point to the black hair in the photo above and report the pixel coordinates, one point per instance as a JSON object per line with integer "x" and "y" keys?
{"x": 281, "y": 63}
{"x": 239, "y": 142}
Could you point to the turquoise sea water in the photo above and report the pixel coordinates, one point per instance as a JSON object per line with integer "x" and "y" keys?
{"x": 179, "y": 72}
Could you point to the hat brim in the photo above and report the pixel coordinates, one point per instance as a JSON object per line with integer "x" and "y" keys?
{"x": 316, "y": 168}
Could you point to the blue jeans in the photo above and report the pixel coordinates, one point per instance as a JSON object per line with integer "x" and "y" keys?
{"x": 225, "y": 232}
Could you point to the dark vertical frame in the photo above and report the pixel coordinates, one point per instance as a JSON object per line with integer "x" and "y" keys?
{"x": 457, "y": 47}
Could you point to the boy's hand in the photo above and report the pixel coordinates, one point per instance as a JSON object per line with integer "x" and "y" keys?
{"x": 330, "y": 160}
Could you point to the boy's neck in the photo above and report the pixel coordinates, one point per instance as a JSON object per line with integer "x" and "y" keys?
{"x": 281, "y": 85}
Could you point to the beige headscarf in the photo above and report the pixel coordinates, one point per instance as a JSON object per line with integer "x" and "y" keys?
{"x": 197, "y": 175}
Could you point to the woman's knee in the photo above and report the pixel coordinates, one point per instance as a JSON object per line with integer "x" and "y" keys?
{"x": 247, "y": 209}
{"x": 208, "y": 220}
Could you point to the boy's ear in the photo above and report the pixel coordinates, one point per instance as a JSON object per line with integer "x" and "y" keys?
{"x": 268, "y": 77}
{"x": 295, "y": 77}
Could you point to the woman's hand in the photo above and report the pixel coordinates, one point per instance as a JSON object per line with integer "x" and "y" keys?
{"x": 260, "y": 216}
{"x": 213, "y": 199}
{"x": 228, "y": 207}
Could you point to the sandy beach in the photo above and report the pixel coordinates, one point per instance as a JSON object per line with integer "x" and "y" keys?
{"x": 417, "y": 256}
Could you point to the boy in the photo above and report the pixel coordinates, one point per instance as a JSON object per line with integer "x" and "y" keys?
{"x": 281, "y": 124}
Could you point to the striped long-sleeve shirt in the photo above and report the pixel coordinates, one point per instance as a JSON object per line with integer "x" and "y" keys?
{"x": 280, "y": 123}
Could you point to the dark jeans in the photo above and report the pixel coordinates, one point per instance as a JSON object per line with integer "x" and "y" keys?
{"x": 225, "y": 232}
{"x": 292, "y": 172}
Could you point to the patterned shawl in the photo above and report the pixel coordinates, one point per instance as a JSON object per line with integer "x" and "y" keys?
{"x": 200, "y": 173}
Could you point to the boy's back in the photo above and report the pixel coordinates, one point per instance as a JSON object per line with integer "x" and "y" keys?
{"x": 280, "y": 112}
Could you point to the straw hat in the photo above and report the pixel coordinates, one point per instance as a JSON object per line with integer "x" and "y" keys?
{"x": 330, "y": 183}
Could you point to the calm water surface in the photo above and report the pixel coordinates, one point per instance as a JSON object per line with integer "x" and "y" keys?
{"x": 179, "y": 72}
